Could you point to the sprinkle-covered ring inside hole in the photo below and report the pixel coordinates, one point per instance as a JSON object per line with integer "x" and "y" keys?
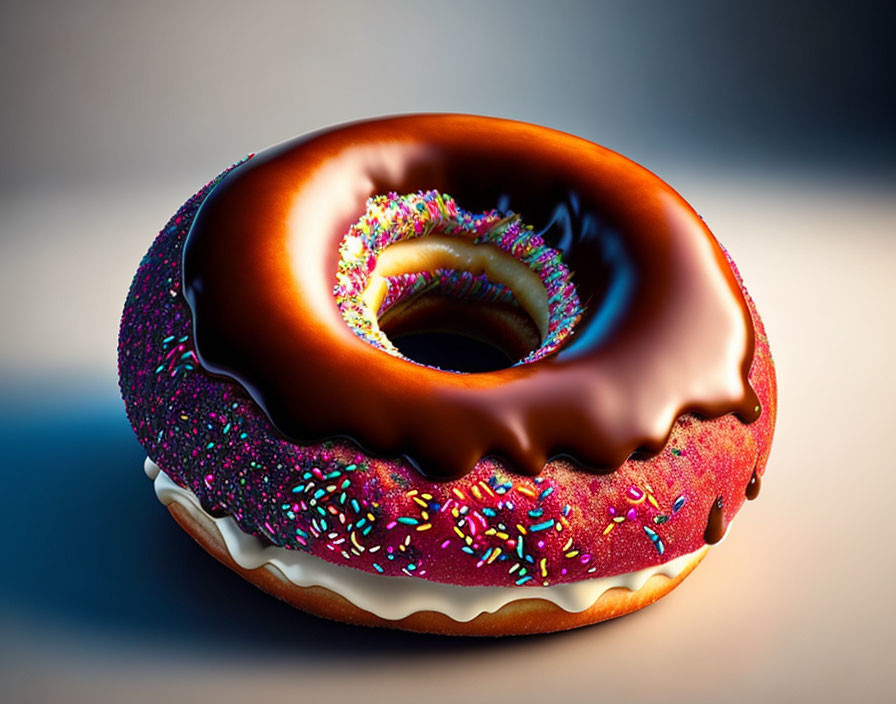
{"x": 441, "y": 242}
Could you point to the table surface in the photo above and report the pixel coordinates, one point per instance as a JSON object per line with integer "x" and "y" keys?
{"x": 103, "y": 598}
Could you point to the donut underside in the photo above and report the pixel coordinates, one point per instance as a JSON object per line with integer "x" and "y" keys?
{"x": 520, "y": 617}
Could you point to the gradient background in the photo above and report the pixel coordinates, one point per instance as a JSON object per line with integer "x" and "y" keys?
{"x": 776, "y": 120}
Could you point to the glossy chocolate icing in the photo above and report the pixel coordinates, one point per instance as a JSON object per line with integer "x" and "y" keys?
{"x": 666, "y": 330}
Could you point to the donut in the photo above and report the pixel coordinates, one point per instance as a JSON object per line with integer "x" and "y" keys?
{"x": 291, "y": 358}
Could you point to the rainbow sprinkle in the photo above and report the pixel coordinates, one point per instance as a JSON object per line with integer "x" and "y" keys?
{"x": 644, "y": 496}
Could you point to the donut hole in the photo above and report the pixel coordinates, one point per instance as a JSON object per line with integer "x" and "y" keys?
{"x": 462, "y": 334}
{"x": 424, "y": 280}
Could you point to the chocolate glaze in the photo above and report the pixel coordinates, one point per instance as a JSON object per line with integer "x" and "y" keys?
{"x": 754, "y": 486}
{"x": 666, "y": 329}
{"x": 715, "y": 523}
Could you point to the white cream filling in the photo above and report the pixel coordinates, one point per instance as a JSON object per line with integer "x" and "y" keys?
{"x": 394, "y": 598}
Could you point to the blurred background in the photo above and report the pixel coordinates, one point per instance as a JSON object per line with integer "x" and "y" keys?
{"x": 774, "y": 119}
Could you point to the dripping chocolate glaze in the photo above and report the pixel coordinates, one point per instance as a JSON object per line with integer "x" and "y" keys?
{"x": 665, "y": 332}
{"x": 715, "y": 523}
{"x": 754, "y": 486}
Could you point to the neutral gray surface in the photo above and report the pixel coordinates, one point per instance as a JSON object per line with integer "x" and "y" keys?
{"x": 120, "y": 112}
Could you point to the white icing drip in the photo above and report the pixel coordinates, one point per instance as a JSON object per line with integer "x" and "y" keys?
{"x": 394, "y": 598}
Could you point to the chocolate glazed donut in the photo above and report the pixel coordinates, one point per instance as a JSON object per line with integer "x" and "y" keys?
{"x": 289, "y": 434}
{"x": 665, "y": 331}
